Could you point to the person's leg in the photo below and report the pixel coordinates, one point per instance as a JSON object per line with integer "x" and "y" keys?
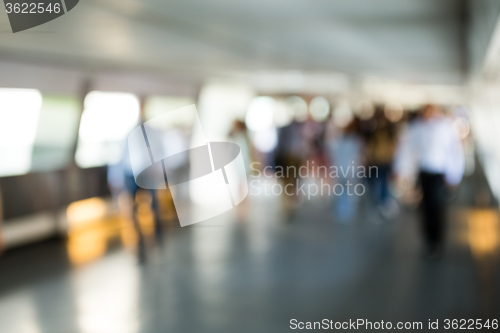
{"x": 291, "y": 202}
{"x": 346, "y": 201}
{"x": 384, "y": 186}
{"x": 132, "y": 188}
{"x": 427, "y": 208}
{"x": 433, "y": 202}
{"x": 439, "y": 211}
{"x": 433, "y": 217}
{"x": 155, "y": 208}
{"x": 2, "y": 243}
{"x": 374, "y": 190}
{"x": 141, "y": 244}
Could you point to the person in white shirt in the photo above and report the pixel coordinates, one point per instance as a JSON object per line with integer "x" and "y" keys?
{"x": 431, "y": 152}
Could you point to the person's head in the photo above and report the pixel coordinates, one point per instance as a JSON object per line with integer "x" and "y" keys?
{"x": 380, "y": 117}
{"x": 238, "y": 126}
{"x": 430, "y": 111}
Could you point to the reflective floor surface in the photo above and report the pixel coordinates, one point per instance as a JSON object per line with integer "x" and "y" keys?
{"x": 258, "y": 273}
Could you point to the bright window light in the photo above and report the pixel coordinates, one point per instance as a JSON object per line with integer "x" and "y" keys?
{"x": 266, "y": 141}
{"x": 106, "y": 121}
{"x": 219, "y": 104}
{"x": 19, "y": 110}
{"x": 108, "y": 116}
{"x": 260, "y": 115}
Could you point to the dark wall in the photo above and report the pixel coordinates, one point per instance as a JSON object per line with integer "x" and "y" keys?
{"x": 31, "y": 193}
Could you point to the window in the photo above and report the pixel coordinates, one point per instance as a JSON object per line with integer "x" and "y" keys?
{"x": 56, "y": 133}
{"x": 107, "y": 119}
{"x": 19, "y": 111}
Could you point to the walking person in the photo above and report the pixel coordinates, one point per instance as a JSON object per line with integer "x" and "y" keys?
{"x": 431, "y": 153}
{"x": 380, "y": 154}
{"x": 346, "y": 151}
{"x": 2, "y": 242}
{"x": 291, "y": 152}
{"x": 121, "y": 179}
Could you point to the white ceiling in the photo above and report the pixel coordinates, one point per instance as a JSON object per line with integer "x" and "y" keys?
{"x": 418, "y": 41}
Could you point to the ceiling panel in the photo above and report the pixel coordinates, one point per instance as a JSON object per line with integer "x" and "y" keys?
{"x": 413, "y": 40}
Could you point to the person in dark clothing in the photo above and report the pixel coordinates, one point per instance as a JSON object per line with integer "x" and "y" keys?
{"x": 290, "y": 153}
{"x": 434, "y": 195}
{"x": 380, "y": 154}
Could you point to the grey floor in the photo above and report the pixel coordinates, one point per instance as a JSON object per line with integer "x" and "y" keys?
{"x": 253, "y": 276}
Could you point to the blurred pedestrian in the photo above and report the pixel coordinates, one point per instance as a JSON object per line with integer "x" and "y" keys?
{"x": 381, "y": 146}
{"x": 346, "y": 151}
{"x": 290, "y": 154}
{"x": 121, "y": 179}
{"x": 239, "y": 136}
{"x": 2, "y": 242}
{"x": 431, "y": 153}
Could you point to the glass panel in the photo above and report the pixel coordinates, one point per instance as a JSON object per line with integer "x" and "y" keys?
{"x": 56, "y": 133}
{"x": 106, "y": 121}
{"x": 19, "y": 110}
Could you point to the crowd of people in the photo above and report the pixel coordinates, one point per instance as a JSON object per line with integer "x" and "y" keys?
{"x": 416, "y": 154}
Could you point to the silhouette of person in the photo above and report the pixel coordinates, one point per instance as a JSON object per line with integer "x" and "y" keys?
{"x": 431, "y": 149}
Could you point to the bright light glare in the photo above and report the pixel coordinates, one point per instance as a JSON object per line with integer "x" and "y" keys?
{"x": 266, "y": 141}
{"x": 319, "y": 108}
{"x": 109, "y": 303}
{"x": 108, "y": 116}
{"x": 88, "y": 210}
{"x": 260, "y": 113}
{"x": 219, "y": 104}
{"x": 19, "y": 111}
{"x": 106, "y": 121}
